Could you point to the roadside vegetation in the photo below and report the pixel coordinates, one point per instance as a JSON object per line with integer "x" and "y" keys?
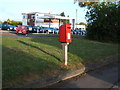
{"x": 26, "y": 59}
{"x": 11, "y": 22}
{"x": 103, "y": 21}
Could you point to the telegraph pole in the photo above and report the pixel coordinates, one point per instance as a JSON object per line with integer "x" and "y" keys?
{"x": 76, "y": 18}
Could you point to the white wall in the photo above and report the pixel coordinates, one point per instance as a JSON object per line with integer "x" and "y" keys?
{"x": 83, "y": 27}
{"x": 38, "y": 20}
{"x": 24, "y": 20}
{"x": 52, "y": 25}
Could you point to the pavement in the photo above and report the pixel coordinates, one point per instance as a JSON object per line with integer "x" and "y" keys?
{"x": 105, "y": 77}
{"x": 55, "y": 79}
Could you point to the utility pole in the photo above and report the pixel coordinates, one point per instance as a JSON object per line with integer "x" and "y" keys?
{"x": 76, "y": 18}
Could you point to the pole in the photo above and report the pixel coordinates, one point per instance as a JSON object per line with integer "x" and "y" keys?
{"x": 59, "y": 22}
{"x": 49, "y": 22}
{"x": 76, "y": 18}
{"x": 73, "y": 22}
{"x": 65, "y": 48}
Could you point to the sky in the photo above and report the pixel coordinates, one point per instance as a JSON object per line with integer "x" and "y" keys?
{"x": 13, "y": 9}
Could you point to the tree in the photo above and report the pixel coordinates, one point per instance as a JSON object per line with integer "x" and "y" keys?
{"x": 15, "y": 22}
{"x": 103, "y": 19}
{"x": 68, "y": 21}
{"x": 8, "y": 21}
{"x": 62, "y": 14}
{"x": 87, "y": 4}
{"x": 64, "y": 20}
{"x": 0, "y": 22}
{"x": 12, "y": 22}
{"x": 5, "y": 22}
{"x": 82, "y": 23}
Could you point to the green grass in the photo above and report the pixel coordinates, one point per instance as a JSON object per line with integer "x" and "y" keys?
{"x": 27, "y": 59}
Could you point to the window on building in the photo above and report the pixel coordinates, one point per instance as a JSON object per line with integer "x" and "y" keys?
{"x": 46, "y": 20}
{"x": 23, "y": 17}
{"x": 33, "y": 17}
{"x": 37, "y": 15}
{"x": 28, "y": 20}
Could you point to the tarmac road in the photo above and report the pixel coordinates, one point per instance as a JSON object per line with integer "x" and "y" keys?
{"x": 106, "y": 77}
{"x": 5, "y": 33}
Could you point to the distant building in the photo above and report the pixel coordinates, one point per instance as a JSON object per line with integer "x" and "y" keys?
{"x": 42, "y": 19}
{"x": 82, "y": 27}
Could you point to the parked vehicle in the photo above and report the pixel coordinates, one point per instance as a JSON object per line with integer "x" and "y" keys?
{"x": 36, "y": 29}
{"x": 0, "y": 26}
{"x": 55, "y": 31}
{"x": 29, "y": 28}
{"x": 21, "y": 30}
{"x": 47, "y": 30}
{"x": 12, "y": 28}
{"x": 83, "y": 32}
{"x": 79, "y": 31}
{"x": 75, "y": 32}
{"x": 5, "y": 26}
{"x": 42, "y": 30}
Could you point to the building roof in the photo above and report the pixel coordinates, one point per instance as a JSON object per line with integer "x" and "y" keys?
{"x": 38, "y": 13}
{"x": 56, "y": 17}
{"x": 52, "y": 16}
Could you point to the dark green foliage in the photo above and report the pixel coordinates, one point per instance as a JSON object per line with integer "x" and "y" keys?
{"x": 12, "y": 22}
{"x": 64, "y": 20}
{"x": 82, "y": 23}
{"x": 103, "y": 22}
{"x": 15, "y": 22}
{"x": 0, "y": 22}
{"x": 87, "y": 4}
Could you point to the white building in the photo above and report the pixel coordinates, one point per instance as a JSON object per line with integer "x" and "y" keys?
{"x": 82, "y": 27}
{"x": 42, "y": 19}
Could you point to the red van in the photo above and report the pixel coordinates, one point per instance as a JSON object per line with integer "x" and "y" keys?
{"x": 21, "y": 30}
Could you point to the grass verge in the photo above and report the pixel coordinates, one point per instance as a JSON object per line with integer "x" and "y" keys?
{"x": 25, "y": 59}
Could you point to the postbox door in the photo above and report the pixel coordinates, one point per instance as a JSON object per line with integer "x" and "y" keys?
{"x": 68, "y": 33}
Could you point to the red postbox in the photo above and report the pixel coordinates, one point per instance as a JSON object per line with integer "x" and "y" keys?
{"x": 65, "y": 33}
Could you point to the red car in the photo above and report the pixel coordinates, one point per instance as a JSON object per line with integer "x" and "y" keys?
{"x": 21, "y": 30}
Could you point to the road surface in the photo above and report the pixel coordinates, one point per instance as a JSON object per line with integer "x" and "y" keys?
{"x": 5, "y": 33}
{"x": 106, "y": 77}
